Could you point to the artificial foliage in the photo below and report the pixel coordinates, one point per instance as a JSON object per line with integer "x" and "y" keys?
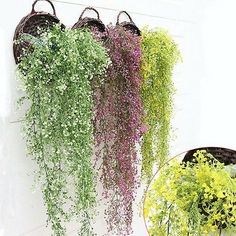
{"x": 56, "y": 77}
{"x": 197, "y": 198}
{"x": 118, "y": 127}
{"x": 159, "y": 56}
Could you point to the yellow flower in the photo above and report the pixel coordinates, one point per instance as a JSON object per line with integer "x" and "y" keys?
{"x": 220, "y": 194}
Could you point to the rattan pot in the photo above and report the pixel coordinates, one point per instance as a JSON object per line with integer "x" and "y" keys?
{"x": 128, "y": 25}
{"x": 89, "y": 22}
{"x": 30, "y": 25}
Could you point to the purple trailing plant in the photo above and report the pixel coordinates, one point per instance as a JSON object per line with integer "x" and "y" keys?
{"x": 118, "y": 127}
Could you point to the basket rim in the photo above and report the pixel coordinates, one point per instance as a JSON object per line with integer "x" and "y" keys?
{"x": 188, "y": 154}
{"x": 87, "y": 20}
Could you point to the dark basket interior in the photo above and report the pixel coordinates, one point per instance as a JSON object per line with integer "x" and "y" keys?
{"x": 131, "y": 27}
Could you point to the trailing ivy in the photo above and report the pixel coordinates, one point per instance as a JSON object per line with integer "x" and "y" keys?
{"x": 118, "y": 128}
{"x": 192, "y": 199}
{"x": 159, "y": 56}
{"x": 58, "y": 127}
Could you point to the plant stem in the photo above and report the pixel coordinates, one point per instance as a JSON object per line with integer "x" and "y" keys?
{"x": 220, "y": 232}
{"x": 168, "y": 227}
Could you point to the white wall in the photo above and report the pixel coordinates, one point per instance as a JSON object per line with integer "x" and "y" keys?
{"x": 21, "y": 207}
{"x": 218, "y": 91}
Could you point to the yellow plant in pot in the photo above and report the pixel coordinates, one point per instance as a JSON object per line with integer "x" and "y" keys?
{"x": 193, "y": 198}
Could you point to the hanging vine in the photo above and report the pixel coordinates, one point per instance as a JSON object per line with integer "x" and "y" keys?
{"x": 118, "y": 127}
{"x": 159, "y": 56}
{"x": 58, "y": 127}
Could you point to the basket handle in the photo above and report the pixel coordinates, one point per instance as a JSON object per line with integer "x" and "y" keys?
{"x": 33, "y": 10}
{"x": 123, "y": 12}
{"x": 89, "y": 8}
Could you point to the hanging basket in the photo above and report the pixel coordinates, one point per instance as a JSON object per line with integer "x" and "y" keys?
{"x": 128, "y": 25}
{"x": 89, "y": 22}
{"x": 30, "y": 25}
{"x": 223, "y": 155}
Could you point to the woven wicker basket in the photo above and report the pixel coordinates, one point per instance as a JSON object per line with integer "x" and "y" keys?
{"x": 223, "y": 155}
{"x": 31, "y": 24}
{"x": 89, "y": 22}
{"x": 128, "y": 25}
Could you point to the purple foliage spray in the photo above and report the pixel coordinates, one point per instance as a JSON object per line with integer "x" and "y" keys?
{"x": 118, "y": 127}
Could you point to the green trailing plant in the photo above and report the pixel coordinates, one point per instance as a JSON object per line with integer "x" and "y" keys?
{"x": 159, "y": 56}
{"x": 197, "y": 198}
{"x": 57, "y": 77}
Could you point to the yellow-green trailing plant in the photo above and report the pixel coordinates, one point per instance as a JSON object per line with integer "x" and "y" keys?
{"x": 197, "y": 198}
{"x": 56, "y": 77}
{"x": 159, "y": 56}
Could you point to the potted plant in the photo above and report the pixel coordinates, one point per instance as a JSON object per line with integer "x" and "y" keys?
{"x": 192, "y": 198}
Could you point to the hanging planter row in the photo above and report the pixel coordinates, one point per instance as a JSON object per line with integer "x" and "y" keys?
{"x": 37, "y": 22}
{"x": 94, "y": 91}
